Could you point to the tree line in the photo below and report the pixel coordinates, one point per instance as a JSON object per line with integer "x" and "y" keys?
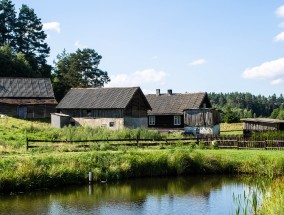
{"x": 24, "y": 53}
{"x": 238, "y": 105}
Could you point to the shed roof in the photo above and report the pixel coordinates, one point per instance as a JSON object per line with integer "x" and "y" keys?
{"x": 100, "y": 98}
{"x": 26, "y": 88}
{"x": 263, "y": 120}
{"x": 176, "y": 103}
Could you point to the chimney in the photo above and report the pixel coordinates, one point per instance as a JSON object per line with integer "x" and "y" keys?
{"x": 157, "y": 92}
{"x": 170, "y": 92}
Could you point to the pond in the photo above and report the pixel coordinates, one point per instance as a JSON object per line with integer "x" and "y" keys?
{"x": 182, "y": 195}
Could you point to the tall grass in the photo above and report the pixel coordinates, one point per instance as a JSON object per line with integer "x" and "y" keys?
{"x": 51, "y": 170}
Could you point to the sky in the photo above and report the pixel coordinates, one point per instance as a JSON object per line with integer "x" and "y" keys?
{"x": 183, "y": 45}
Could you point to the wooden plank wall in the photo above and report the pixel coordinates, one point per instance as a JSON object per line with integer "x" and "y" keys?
{"x": 201, "y": 117}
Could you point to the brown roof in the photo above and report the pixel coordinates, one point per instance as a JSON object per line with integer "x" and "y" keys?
{"x": 28, "y": 101}
{"x": 264, "y": 120}
{"x": 100, "y": 98}
{"x": 176, "y": 103}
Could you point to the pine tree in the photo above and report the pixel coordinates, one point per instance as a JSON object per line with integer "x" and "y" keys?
{"x": 31, "y": 40}
{"x": 7, "y": 23}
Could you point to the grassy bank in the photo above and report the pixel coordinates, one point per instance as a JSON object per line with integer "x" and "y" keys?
{"x": 34, "y": 171}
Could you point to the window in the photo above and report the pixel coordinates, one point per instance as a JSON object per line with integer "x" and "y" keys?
{"x": 177, "y": 120}
{"x": 111, "y": 124}
{"x": 152, "y": 120}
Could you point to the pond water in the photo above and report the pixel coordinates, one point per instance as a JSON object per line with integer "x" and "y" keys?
{"x": 183, "y": 195}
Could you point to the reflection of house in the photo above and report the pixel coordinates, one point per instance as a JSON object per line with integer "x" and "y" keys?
{"x": 178, "y": 111}
{"x": 114, "y": 108}
{"x": 27, "y": 97}
{"x": 262, "y": 124}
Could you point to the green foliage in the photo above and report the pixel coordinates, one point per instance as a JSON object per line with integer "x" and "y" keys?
{"x": 246, "y": 104}
{"x": 229, "y": 116}
{"x": 14, "y": 65}
{"x": 278, "y": 113}
{"x": 25, "y": 38}
{"x": 79, "y": 69}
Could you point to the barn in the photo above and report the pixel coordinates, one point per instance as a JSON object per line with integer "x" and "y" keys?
{"x": 114, "y": 108}
{"x": 262, "y": 124}
{"x": 191, "y": 112}
{"x": 27, "y": 97}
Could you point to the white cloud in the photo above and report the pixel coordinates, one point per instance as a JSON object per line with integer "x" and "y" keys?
{"x": 79, "y": 45}
{"x": 280, "y": 11}
{"x": 279, "y": 37}
{"x": 197, "y": 62}
{"x": 52, "y": 26}
{"x": 268, "y": 70}
{"x": 281, "y": 25}
{"x": 138, "y": 78}
{"x": 277, "y": 81}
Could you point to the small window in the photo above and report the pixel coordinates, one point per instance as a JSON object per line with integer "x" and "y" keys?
{"x": 177, "y": 120}
{"x": 111, "y": 124}
{"x": 152, "y": 120}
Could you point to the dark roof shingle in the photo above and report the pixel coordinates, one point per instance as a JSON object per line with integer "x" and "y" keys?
{"x": 26, "y": 88}
{"x": 98, "y": 98}
{"x": 176, "y": 103}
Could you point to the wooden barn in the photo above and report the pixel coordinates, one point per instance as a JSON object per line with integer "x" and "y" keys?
{"x": 191, "y": 112}
{"x": 27, "y": 97}
{"x": 113, "y": 108}
{"x": 262, "y": 124}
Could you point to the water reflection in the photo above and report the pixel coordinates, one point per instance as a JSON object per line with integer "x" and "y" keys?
{"x": 183, "y": 195}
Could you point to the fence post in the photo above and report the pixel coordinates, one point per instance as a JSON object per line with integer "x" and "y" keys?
{"x": 27, "y": 144}
{"x": 137, "y": 141}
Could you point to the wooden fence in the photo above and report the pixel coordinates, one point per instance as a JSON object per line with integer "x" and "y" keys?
{"x": 222, "y": 142}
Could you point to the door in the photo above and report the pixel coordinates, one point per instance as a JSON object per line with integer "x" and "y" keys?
{"x": 22, "y": 112}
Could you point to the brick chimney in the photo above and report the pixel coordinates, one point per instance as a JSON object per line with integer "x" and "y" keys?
{"x": 170, "y": 92}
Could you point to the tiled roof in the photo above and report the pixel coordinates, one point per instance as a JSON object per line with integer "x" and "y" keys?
{"x": 26, "y": 88}
{"x": 99, "y": 98}
{"x": 176, "y": 103}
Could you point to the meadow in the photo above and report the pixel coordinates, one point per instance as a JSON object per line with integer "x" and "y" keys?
{"x": 67, "y": 164}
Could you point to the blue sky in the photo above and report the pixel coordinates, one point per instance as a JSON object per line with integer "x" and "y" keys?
{"x": 183, "y": 45}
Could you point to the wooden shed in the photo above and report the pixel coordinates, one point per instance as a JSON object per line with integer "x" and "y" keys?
{"x": 113, "y": 108}
{"x": 262, "y": 124}
{"x": 27, "y": 97}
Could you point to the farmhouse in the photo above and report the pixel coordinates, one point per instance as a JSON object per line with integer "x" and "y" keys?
{"x": 189, "y": 111}
{"x": 262, "y": 124}
{"x": 26, "y": 97}
{"x": 113, "y": 108}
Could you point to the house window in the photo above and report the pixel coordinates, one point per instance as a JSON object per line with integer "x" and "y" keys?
{"x": 177, "y": 120}
{"x": 152, "y": 120}
{"x": 111, "y": 124}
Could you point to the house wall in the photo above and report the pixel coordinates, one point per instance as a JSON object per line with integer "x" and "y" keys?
{"x": 111, "y": 123}
{"x": 131, "y": 122}
{"x": 59, "y": 120}
{"x": 260, "y": 126}
{"x": 33, "y": 111}
{"x": 10, "y": 110}
{"x": 195, "y": 130}
{"x": 166, "y": 121}
{"x": 201, "y": 117}
{"x": 97, "y": 113}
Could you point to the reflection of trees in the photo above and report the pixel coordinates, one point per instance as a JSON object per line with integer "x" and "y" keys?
{"x": 132, "y": 191}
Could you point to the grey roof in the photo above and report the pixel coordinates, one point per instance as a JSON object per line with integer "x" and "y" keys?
{"x": 176, "y": 103}
{"x": 264, "y": 120}
{"x": 26, "y": 88}
{"x": 99, "y": 98}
